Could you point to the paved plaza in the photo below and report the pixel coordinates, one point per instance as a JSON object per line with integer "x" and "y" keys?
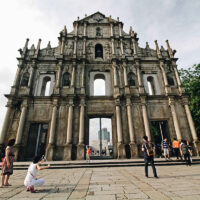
{"x": 114, "y": 183}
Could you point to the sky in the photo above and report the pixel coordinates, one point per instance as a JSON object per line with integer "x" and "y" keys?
{"x": 175, "y": 20}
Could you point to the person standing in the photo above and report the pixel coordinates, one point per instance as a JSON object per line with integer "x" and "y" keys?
{"x": 185, "y": 153}
{"x": 165, "y": 148}
{"x": 88, "y": 152}
{"x": 190, "y": 149}
{"x": 176, "y": 148}
{"x": 148, "y": 149}
{"x": 7, "y": 165}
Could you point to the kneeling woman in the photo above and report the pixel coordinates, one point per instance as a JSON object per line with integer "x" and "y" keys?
{"x": 31, "y": 177}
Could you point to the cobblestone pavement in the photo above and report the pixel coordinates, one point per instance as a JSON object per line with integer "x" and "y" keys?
{"x": 175, "y": 182}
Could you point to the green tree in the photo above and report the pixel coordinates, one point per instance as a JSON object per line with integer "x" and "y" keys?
{"x": 191, "y": 81}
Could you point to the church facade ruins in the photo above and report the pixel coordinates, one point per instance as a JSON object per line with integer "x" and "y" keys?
{"x": 52, "y": 98}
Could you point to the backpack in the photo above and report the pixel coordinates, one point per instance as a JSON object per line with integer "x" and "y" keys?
{"x": 149, "y": 149}
{"x": 184, "y": 148}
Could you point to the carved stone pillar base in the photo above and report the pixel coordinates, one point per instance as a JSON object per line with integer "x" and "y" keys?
{"x": 134, "y": 150}
{"x": 121, "y": 151}
{"x": 67, "y": 152}
{"x": 197, "y": 147}
{"x": 82, "y": 90}
{"x": 71, "y": 90}
{"x": 57, "y": 91}
{"x": 80, "y": 152}
{"x": 141, "y": 90}
{"x": 181, "y": 90}
{"x": 17, "y": 152}
{"x": 168, "y": 90}
{"x": 116, "y": 92}
{"x": 127, "y": 90}
{"x": 49, "y": 152}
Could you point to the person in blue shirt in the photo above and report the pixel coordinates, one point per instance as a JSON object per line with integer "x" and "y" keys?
{"x": 165, "y": 148}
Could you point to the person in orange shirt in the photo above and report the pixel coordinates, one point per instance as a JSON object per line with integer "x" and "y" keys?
{"x": 88, "y": 152}
{"x": 176, "y": 148}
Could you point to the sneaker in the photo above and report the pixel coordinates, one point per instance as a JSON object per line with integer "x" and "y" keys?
{"x": 146, "y": 176}
{"x": 156, "y": 177}
{"x": 28, "y": 189}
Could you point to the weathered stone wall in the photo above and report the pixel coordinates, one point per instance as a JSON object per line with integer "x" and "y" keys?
{"x": 68, "y": 108}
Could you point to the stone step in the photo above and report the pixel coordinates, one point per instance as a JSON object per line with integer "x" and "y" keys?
{"x": 95, "y": 164}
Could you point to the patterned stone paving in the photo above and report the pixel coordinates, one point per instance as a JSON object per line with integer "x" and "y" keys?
{"x": 175, "y": 182}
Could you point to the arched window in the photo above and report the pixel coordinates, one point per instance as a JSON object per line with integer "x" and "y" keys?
{"x": 131, "y": 79}
{"x": 151, "y": 86}
{"x": 45, "y": 91}
{"x": 98, "y": 51}
{"x": 170, "y": 80}
{"x": 66, "y": 79}
{"x": 99, "y": 85}
{"x": 25, "y": 79}
{"x": 98, "y": 31}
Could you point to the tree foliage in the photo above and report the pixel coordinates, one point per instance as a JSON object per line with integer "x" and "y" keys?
{"x": 191, "y": 81}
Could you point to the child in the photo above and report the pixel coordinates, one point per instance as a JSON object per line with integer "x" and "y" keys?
{"x": 88, "y": 152}
{"x": 31, "y": 177}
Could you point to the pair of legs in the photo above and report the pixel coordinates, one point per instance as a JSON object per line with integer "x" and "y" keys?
{"x": 166, "y": 153}
{"x": 34, "y": 182}
{"x": 88, "y": 157}
{"x": 177, "y": 153}
{"x": 187, "y": 159}
{"x": 4, "y": 180}
{"x": 150, "y": 160}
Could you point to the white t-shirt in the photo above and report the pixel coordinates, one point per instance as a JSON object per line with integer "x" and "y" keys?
{"x": 32, "y": 172}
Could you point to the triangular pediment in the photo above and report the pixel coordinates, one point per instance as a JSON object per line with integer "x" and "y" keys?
{"x": 97, "y": 18}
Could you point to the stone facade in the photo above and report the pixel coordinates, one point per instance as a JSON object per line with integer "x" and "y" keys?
{"x": 142, "y": 85}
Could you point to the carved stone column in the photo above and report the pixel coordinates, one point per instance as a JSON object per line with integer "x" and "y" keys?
{"x": 75, "y": 44}
{"x": 133, "y": 145}
{"x": 134, "y": 48}
{"x": 175, "y": 119}
{"x": 130, "y": 122}
{"x": 141, "y": 87}
{"x": 114, "y": 73}
{"x": 112, "y": 45}
{"x": 192, "y": 127}
{"x": 5, "y": 124}
{"x": 81, "y": 145}
{"x": 125, "y": 74}
{"x": 50, "y": 148}
{"x": 68, "y": 146}
{"x": 20, "y": 128}
{"x": 164, "y": 77}
{"x": 59, "y": 75}
{"x": 32, "y": 74}
{"x": 69, "y": 125}
{"x": 84, "y": 46}
{"x": 180, "y": 87}
{"x": 84, "y": 38}
{"x": 145, "y": 118}
{"x": 119, "y": 125}
{"x": 120, "y": 145}
{"x": 121, "y": 45}
{"x": 62, "y": 46}
{"x": 83, "y": 75}
{"x": 73, "y": 75}
{"x": 85, "y": 28}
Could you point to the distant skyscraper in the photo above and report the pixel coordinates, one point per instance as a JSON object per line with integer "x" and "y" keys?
{"x": 105, "y": 134}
